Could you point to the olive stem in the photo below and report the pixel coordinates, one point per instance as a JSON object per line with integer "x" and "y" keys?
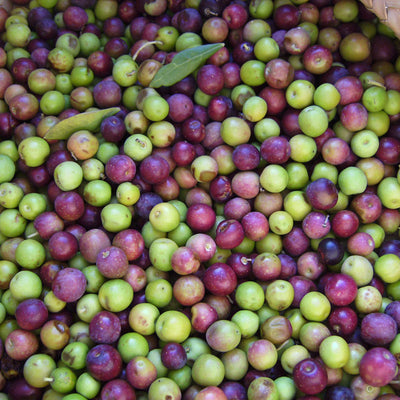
{"x": 210, "y": 13}
{"x": 245, "y": 260}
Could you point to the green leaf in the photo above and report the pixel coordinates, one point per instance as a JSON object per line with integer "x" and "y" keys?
{"x": 183, "y": 64}
{"x": 372, "y": 82}
{"x": 89, "y": 120}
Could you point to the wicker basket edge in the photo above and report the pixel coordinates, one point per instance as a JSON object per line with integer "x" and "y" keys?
{"x": 388, "y": 12}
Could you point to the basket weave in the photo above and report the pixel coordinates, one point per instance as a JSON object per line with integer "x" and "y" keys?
{"x": 388, "y": 11}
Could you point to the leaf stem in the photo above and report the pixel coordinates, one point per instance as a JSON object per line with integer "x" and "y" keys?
{"x": 283, "y": 344}
{"x": 149, "y": 43}
{"x": 32, "y": 235}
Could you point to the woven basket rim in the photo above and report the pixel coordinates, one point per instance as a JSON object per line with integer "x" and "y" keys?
{"x": 388, "y": 12}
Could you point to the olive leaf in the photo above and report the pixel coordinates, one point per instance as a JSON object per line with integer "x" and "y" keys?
{"x": 89, "y": 120}
{"x": 183, "y": 64}
{"x": 372, "y": 82}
